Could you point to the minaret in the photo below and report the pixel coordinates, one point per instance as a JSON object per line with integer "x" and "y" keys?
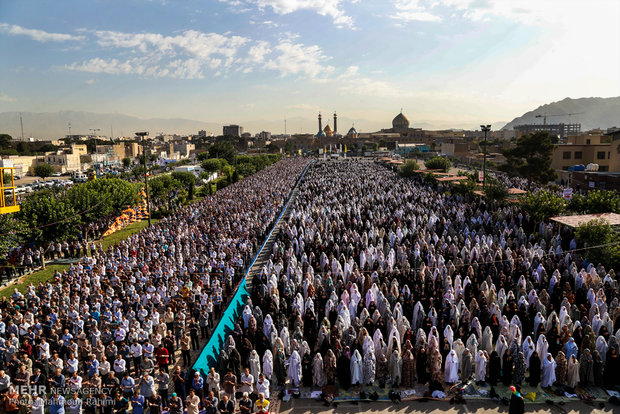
{"x": 320, "y": 123}
{"x": 335, "y": 123}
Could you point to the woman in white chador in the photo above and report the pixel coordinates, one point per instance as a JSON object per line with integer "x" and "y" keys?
{"x": 356, "y": 368}
{"x": 294, "y": 369}
{"x": 268, "y": 364}
{"x": 548, "y": 371}
{"x": 481, "y": 366}
{"x": 254, "y": 362}
{"x": 528, "y": 350}
{"x": 451, "y": 371}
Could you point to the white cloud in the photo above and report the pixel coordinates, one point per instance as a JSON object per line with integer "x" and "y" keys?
{"x": 6, "y": 98}
{"x": 331, "y": 8}
{"x": 523, "y": 11}
{"x": 419, "y": 16}
{"x": 414, "y": 10}
{"x": 299, "y": 59}
{"x": 91, "y": 82}
{"x": 183, "y": 56}
{"x": 38, "y": 35}
{"x": 257, "y": 52}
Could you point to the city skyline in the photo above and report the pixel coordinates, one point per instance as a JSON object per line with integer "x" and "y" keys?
{"x": 453, "y": 63}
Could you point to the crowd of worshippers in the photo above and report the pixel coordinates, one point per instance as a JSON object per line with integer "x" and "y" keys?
{"x": 110, "y": 325}
{"x": 378, "y": 279}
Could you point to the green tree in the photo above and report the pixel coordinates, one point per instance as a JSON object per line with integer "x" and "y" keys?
{"x": 228, "y": 170}
{"x": 495, "y": 191}
{"x": 272, "y": 147}
{"x": 138, "y": 172}
{"x": 202, "y": 156}
{"x": 531, "y": 158}
{"x": 5, "y": 141}
{"x": 466, "y": 187}
{"x": 49, "y": 217}
{"x": 12, "y": 233}
{"x": 224, "y": 150}
{"x": 595, "y": 202}
{"x": 164, "y": 189}
{"x": 126, "y": 162}
{"x": 598, "y": 232}
{"x": 188, "y": 180}
{"x": 543, "y": 204}
{"x": 211, "y": 165}
{"x": 408, "y": 168}
{"x": 43, "y": 171}
{"x": 246, "y": 169}
{"x": 106, "y": 197}
{"x": 438, "y": 163}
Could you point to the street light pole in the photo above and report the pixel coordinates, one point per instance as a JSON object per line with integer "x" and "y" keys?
{"x": 485, "y": 129}
{"x": 146, "y": 182}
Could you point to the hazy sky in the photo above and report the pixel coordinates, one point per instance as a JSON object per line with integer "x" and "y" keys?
{"x": 454, "y": 63}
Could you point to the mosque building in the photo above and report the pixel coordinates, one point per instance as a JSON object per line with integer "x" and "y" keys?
{"x": 327, "y": 131}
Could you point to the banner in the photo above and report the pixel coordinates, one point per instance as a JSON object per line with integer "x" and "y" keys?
{"x": 567, "y": 193}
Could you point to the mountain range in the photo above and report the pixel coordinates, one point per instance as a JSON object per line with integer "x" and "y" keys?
{"x": 591, "y": 113}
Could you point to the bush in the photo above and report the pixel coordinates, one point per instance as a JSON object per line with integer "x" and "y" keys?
{"x": 221, "y": 182}
{"x": 211, "y": 165}
{"x": 438, "y": 163}
{"x": 408, "y": 168}
{"x": 246, "y": 168}
{"x": 543, "y": 204}
{"x": 596, "y": 201}
{"x": 188, "y": 180}
{"x": 495, "y": 192}
{"x": 596, "y": 233}
{"x": 205, "y": 190}
{"x": 465, "y": 187}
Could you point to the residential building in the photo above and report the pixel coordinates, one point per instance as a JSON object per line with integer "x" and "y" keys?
{"x": 63, "y": 161}
{"x": 264, "y": 135}
{"x": 598, "y": 148}
{"x": 233, "y": 130}
{"x": 561, "y": 130}
{"x": 182, "y": 147}
{"x": 24, "y": 164}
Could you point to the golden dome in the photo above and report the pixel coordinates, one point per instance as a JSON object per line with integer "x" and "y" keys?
{"x": 328, "y": 130}
{"x": 400, "y": 121}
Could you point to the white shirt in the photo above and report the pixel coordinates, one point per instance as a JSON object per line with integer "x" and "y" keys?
{"x": 244, "y": 387}
{"x": 38, "y": 405}
{"x": 136, "y": 350}
{"x": 264, "y": 387}
{"x": 119, "y": 365}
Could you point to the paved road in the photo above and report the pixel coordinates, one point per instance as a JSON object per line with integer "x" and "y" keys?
{"x": 434, "y": 407}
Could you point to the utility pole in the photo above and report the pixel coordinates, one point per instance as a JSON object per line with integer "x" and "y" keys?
{"x": 146, "y": 182}
{"x": 21, "y": 122}
{"x": 485, "y": 129}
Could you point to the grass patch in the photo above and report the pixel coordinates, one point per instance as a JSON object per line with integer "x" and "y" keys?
{"x": 36, "y": 277}
{"x": 48, "y": 273}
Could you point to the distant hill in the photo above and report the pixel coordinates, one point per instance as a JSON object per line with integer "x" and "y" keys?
{"x": 591, "y": 113}
{"x": 55, "y": 124}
